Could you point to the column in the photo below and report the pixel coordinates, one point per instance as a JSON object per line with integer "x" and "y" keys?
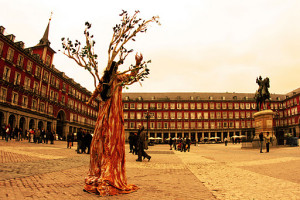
{"x": 222, "y": 137}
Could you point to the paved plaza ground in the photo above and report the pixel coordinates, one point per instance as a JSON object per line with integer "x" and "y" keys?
{"x": 209, "y": 171}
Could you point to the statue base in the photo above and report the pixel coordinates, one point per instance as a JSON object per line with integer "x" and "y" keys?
{"x": 263, "y": 122}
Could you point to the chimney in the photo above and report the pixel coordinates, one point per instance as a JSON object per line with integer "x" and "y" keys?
{"x": 2, "y": 30}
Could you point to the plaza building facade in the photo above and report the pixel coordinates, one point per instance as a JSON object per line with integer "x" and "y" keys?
{"x": 207, "y": 115}
{"x": 34, "y": 94}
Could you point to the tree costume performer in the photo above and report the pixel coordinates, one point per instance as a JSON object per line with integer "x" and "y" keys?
{"x": 107, "y": 157}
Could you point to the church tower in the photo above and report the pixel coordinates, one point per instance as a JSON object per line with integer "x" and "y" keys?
{"x": 43, "y": 48}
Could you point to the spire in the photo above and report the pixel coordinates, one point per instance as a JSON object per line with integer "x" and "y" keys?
{"x": 45, "y": 40}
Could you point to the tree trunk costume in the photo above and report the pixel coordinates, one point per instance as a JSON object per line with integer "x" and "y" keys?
{"x": 107, "y": 157}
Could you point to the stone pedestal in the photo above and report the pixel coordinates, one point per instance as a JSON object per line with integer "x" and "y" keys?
{"x": 263, "y": 122}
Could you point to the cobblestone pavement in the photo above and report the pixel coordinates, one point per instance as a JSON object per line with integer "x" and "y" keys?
{"x": 210, "y": 171}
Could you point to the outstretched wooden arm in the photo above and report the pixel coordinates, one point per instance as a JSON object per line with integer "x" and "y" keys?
{"x": 95, "y": 93}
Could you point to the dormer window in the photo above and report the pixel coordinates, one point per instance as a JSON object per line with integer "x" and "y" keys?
{"x": 140, "y": 98}
{"x": 192, "y": 98}
{"x": 153, "y": 98}
{"x": 223, "y": 98}
{"x": 210, "y": 98}
{"x": 127, "y": 98}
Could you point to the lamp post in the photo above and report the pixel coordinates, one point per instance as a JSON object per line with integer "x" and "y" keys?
{"x": 147, "y": 117}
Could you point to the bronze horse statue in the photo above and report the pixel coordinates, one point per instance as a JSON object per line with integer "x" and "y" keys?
{"x": 262, "y": 94}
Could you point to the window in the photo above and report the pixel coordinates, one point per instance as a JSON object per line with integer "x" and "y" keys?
{"x": 145, "y": 106}
{"x": 230, "y": 106}
{"x": 25, "y": 101}
{"x": 34, "y": 104}
{"x": 248, "y": 115}
{"x": 193, "y": 125}
{"x": 186, "y": 106}
{"x": 46, "y": 76}
{"x": 192, "y": 105}
{"x": 159, "y": 106}
{"x": 206, "y": 125}
{"x": 230, "y": 115}
{"x": 212, "y": 125}
{"x": 225, "y": 125}
{"x": 166, "y": 106}
{"x": 132, "y": 106}
{"x": 17, "y": 78}
{"x": 179, "y": 106}
{"x": 172, "y": 115}
{"x": 27, "y": 83}
{"x": 172, "y": 124}
{"x": 237, "y": 115}
{"x": 42, "y": 107}
{"x": 132, "y": 115}
{"x": 1, "y": 47}
{"x": 198, "y": 105}
{"x": 37, "y": 72}
{"x": 218, "y": 115}
{"x": 139, "y": 106}
{"x": 125, "y": 115}
{"x": 48, "y": 60}
{"x": 179, "y": 115}
{"x": 179, "y": 125}
{"x": 132, "y": 125}
{"x": 6, "y": 74}
{"x": 36, "y": 87}
{"x": 166, "y": 115}
{"x": 3, "y": 94}
{"x": 152, "y": 106}
{"x": 192, "y": 115}
{"x": 138, "y": 115}
{"x": 218, "y": 106}
{"x": 237, "y": 125}
{"x": 224, "y": 115}
{"x": 29, "y": 66}
{"x": 247, "y": 105}
{"x": 242, "y": 106}
{"x": 206, "y": 115}
{"x": 172, "y": 105}
{"x": 125, "y": 105}
{"x": 186, "y": 125}
{"x": 64, "y": 88}
{"x": 57, "y": 83}
{"x": 199, "y": 125}
{"x": 236, "y": 106}
{"x": 63, "y": 100}
{"x": 10, "y": 54}
{"x": 205, "y": 106}
{"x": 50, "y": 110}
{"x": 44, "y": 91}
{"x": 14, "y": 98}
{"x": 242, "y": 115}
{"x": 159, "y": 115}
{"x": 186, "y": 115}
{"x": 212, "y": 115}
{"x": 224, "y": 105}
{"x": 211, "y": 105}
{"x": 199, "y": 115}
{"x": 166, "y": 125}
{"x": 20, "y": 60}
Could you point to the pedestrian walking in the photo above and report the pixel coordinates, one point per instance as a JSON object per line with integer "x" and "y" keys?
{"x": 171, "y": 143}
{"x": 135, "y": 144}
{"x": 3, "y": 132}
{"x": 52, "y": 134}
{"x": 188, "y": 144}
{"x": 141, "y": 144}
{"x": 226, "y": 141}
{"x": 88, "y": 140}
{"x": 130, "y": 140}
{"x": 69, "y": 140}
{"x": 261, "y": 140}
{"x": 79, "y": 140}
{"x": 268, "y": 140}
{"x": 7, "y": 132}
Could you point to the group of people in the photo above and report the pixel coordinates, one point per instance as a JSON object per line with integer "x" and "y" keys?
{"x": 84, "y": 140}
{"x": 266, "y": 139}
{"x": 138, "y": 144}
{"x": 180, "y": 144}
{"x": 32, "y": 135}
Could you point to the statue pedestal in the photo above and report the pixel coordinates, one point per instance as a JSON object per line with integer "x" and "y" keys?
{"x": 263, "y": 122}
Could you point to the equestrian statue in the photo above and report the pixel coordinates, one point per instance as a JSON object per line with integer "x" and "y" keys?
{"x": 262, "y": 94}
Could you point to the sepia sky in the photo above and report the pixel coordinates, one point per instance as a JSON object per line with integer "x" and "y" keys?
{"x": 201, "y": 46}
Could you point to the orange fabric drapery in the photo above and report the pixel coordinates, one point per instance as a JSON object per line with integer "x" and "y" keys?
{"x": 107, "y": 175}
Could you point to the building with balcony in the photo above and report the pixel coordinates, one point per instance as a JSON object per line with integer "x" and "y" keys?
{"x": 34, "y": 94}
{"x": 206, "y": 115}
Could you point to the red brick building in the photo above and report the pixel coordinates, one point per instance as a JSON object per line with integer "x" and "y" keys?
{"x": 206, "y": 115}
{"x": 34, "y": 94}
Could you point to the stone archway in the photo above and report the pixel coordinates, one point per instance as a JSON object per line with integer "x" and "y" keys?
{"x": 22, "y": 123}
{"x": 61, "y": 118}
{"x": 31, "y": 124}
{"x": 12, "y": 121}
{"x": 1, "y": 119}
{"x": 40, "y": 125}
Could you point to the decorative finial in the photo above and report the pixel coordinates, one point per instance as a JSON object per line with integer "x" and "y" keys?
{"x": 50, "y": 16}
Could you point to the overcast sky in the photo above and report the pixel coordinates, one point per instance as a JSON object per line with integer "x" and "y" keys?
{"x": 201, "y": 46}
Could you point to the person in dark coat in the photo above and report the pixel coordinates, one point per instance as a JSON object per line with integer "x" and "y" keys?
{"x": 135, "y": 144}
{"x": 88, "y": 140}
{"x": 261, "y": 140}
{"x": 7, "y": 132}
{"x": 69, "y": 140}
{"x": 130, "y": 139}
{"x": 79, "y": 140}
{"x": 141, "y": 144}
{"x": 188, "y": 144}
{"x": 171, "y": 143}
